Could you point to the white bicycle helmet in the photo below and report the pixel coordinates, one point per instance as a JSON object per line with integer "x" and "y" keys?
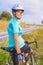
{"x": 18, "y": 7}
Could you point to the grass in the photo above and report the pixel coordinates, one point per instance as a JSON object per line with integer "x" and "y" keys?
{"x": 3, "y": 54}
{"x": 3, "y": 25}
{"x": 38, "y": 35}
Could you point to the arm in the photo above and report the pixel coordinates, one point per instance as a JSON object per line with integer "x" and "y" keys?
{"x": 15, "y": 31}
{"x": 17, "y": 43}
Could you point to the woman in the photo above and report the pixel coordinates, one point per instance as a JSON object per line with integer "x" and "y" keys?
{"x": 15, "y": 35}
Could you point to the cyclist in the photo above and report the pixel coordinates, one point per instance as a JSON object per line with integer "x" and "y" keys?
{"x": 15, "y": 32}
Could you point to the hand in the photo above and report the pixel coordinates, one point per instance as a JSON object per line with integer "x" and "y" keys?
{"x": 20, "y": 58}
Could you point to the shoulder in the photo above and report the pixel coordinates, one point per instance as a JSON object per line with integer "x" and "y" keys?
{"x": 14, "y": 22}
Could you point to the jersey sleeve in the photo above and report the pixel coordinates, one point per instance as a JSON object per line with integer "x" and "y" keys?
{"x": 15, "y": 27}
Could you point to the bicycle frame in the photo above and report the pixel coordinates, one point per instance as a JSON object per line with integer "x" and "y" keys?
{"x": 10, "y": 49}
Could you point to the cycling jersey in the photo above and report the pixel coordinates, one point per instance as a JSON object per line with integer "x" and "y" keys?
{"x": 14, "y": 27}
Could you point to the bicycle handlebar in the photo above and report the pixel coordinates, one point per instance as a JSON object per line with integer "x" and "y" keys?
{"x": 9, "y": 49}
{"x": 35, "y": 41}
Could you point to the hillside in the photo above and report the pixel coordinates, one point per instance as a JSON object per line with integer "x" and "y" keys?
{"x": 38, "y": 35}
{"x": 3, "y": 25}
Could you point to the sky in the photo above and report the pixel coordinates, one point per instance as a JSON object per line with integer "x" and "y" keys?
{"x": 33, "y": 9}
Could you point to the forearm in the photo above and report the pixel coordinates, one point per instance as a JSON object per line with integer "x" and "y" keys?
{"x": 17, "y": 46}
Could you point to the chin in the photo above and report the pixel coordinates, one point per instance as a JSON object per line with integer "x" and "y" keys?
{"x": 18, "y": 18}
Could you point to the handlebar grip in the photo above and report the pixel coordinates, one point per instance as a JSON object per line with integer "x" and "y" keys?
{"x": 9, "y": 49}
{"x": 36, "y": 43}
{"x": 2, "y": 48}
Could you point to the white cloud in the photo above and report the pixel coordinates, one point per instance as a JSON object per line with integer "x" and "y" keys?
{"x": 33, "y": 8}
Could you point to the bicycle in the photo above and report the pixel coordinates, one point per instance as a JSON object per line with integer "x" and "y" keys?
{"x": 31, "y": 55}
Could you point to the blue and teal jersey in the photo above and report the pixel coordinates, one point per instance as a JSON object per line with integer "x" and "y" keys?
{"x": 12, "y": 28}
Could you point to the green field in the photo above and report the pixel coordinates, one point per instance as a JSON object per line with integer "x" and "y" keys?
{"x": 38, "y": 34}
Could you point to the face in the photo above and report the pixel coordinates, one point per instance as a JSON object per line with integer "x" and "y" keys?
{"x": 18, "y": 14}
